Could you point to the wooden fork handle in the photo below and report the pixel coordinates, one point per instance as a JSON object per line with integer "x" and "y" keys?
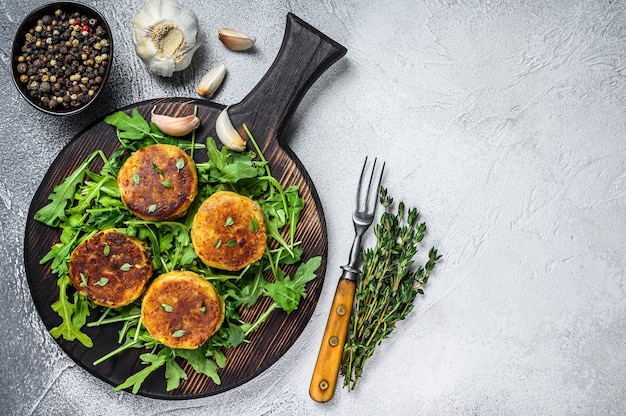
{"x": 328, "y": 362}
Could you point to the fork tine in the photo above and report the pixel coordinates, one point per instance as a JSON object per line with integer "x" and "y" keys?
{"x": 367, "y": 204}
{"x": 358, "y": 191}
{"x": 368, "y": 196}
{"x": 377, "y": 188}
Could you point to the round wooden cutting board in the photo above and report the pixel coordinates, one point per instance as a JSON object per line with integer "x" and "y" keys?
{"x": 304, "y": 55}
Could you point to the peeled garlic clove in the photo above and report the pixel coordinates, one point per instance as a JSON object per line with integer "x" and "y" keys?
{"x": 227, "y": 134}
{"x": 211, "y": 81}
{"x": 235, "y": 40}
{"x": 175, "y": 126}
{"x": 166, "y": 35}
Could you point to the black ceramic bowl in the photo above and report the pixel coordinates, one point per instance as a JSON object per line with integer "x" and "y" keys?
{"x": 68, "y": 62}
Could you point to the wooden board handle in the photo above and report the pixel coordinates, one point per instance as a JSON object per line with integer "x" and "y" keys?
{"x": 304, "y": 55}
{"x": 328, "y": 362}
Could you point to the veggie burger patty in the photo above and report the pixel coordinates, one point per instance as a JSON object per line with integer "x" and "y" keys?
{"x": 158, "y": 182}
{"x": 228, "y": 231}
{"x": 110, "y": 268}
{"x": 182, "y": 310}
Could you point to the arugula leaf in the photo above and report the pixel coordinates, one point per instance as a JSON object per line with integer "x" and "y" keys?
{"x": 103, "y": 218}
{"x": 81, "y": 310}
{"x": 198, "y": 360}
{"x": 295, "y": 205}
{"x": 67, "y": 310}
{"x": 155, "y": 360}
{"x": 219, "y": 357}
{"x": 217, "y": 158}
{"x": 187, "y": 256}
{"x": 173, "y": 374}
{"x": 133, "y": 127}
{"x": 227, "y": 167}
{"x": 60, "y": 254}
{"x": 305, "y": 273}
{"x": 252, "y": 290}
{"x": 287, "y": 292}
{"x": 234, "y": 172}
{"x": 274, "y": 221}
{"x": 286, "y": 297}
{"x": 63, "y": 194}
{"x": 236, "y": 336}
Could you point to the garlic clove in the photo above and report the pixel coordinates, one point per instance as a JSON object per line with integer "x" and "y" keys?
{"x": 175, "y": 126}
{"x": 235, "y": 40}
{"x": 227, "y": 133}
{"x": 211, "y": 81}
{"x": 165, "y": 34}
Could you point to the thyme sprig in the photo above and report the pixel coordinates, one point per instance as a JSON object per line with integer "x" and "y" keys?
{"x": 388, "y": 286}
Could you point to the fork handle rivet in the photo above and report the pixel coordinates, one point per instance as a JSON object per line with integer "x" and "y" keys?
{"x": 323, "y": 385}
{"x": 341, "y": 310}
{"x": 333, "y": 341}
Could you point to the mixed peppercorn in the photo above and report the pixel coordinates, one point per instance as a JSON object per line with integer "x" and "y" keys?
{"x": 64, "y": 59}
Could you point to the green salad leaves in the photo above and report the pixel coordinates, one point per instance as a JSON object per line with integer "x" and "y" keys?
{"x": 88, "y": 201}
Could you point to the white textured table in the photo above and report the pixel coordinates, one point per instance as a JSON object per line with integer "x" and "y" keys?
{"x": 502, "y": 121}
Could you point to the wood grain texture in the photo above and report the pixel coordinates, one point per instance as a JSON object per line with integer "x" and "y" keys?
{"x": 304, "y": 55}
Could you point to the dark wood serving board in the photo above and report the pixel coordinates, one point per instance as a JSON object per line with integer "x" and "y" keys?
{"x": 304, "y": 55}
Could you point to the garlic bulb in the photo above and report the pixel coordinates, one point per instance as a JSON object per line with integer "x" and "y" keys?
{"x": 166, "y": 35}
{"x": 175, "y": 126}
{"x": 227, "y": 134}
{"x": 211, "y": 81}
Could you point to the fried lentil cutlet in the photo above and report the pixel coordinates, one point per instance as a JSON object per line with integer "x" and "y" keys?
{"x": 110, "y": 268}
{"x": 158, "y": 182}
{"x": 182, "y": 310}
{"x": 228, "y": 231}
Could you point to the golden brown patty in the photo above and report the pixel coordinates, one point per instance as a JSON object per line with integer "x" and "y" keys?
{"x": 228, "y": 231}
{"x": 182, "y": 310}
{"x": 110, "y": 268}
{"x": 158, "y": 182}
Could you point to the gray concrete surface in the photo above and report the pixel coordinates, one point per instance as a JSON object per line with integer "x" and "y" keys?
{"x": 502, "y": 121}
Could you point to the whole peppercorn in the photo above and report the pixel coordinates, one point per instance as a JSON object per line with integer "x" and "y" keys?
{"x": 45, "y": 87}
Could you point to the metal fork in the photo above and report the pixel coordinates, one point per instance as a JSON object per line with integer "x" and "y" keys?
{"x": 362, "y": 217}
{"x": 326, "y": 370}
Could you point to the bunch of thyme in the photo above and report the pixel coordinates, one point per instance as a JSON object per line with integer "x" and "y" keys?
{"x": 388, "y": 286}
